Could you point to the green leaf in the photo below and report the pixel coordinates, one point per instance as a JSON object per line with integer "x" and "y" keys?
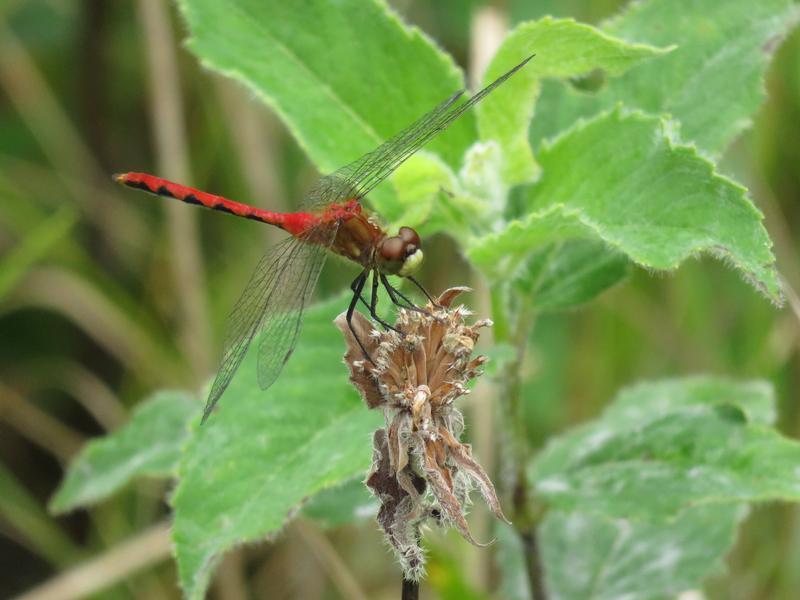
{"x": 712, "y": 83}
{"x": 341, "y": 505}
{"x": 252, "y": 466}
{"x": 148, "y": 445}
{"x": 664, "y": 449}
{"x": 568, "y": 274}
{"x": 340, "y": 99}
{"x": 638, "y": 404}
{"x": 592, "y": 558}
{"x": 563, "y": 48}
{"x": 654, "y": 200}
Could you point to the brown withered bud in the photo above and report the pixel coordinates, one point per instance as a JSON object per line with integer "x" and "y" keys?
{"x": 421, "y": 471}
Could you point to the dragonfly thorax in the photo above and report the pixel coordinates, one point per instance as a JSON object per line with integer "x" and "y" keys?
{"x": 400, "y": 254}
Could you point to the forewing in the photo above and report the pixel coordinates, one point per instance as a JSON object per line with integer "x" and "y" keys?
{"x": 343, "y": 183}
{"x": 267, "y": 307}
{"x": 358, "y": 178}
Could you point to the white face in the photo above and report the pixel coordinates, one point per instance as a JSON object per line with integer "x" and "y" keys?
{"x": 411, "y": 263}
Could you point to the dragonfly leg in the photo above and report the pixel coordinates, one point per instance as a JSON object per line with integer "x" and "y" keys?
{"x": 396, "y": 295}
{"x": 424, "y": 291}
{"x": 357, "y": 286}
{"x": 370, "y": 306}
{"x": 374, "y": 302}
{"x": 358, "y": 293}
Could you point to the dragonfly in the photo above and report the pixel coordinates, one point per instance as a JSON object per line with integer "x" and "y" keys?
{"x": 333, "y": 218}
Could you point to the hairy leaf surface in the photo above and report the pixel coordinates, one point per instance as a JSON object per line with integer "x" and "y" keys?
{"x": 589, "y": 557}
{"x": 343, "y": 76}
{"x": 623, "y": 179}
{"x": 148, "y": 445}
{"x": 665, "y": 447}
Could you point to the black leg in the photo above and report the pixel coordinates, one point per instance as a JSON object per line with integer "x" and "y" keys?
{"x": 374, "y": 303}
{"x": 424, "y": 291}
{"x": 394, "y": 294}
{"x": 357, "y": 286}
{"x": 358, "y": 294}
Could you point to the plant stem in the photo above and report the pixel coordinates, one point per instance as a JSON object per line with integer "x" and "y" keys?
{"x": 533, "y": 563}
{"x": 410, "y": 590}
{"x": 526, "y": 513}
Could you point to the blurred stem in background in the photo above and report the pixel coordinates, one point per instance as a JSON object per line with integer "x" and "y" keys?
{"x": 144, "y": 549}
{"x": 172, "y": 159}
{"x": 253, "y": 132}
{"x": 61, "y": 143}
{"x": 488, "y": 28}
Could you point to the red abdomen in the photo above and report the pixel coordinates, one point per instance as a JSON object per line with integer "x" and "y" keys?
{"x": 294, "y": 223}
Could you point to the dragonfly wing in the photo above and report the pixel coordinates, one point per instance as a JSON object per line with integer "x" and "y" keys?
{"x": 343, "y": 183}
{"x": 358, "y": 178}
{"x": 283, "y": 321}
{"x": 272, "y": 305}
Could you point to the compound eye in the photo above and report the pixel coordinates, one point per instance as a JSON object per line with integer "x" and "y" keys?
{"x": 393, "y": 249}
{"x": 409, "y": 236}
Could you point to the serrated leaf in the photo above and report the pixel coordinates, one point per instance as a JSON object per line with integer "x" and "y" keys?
{"x": 654, "y": 200}
{"x": 563, "y": 48}
{"x": 340, "y": 99}
{"x": 666, "y": 449}
{"x": 568, "y": 274}
{"x": 712, "y": 83}
{"x": 592, "y": 558}
{"x": 245, "y": 472}
{"x": 148, "y": 445}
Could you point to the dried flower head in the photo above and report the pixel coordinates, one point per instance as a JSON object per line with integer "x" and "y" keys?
{"x": 420, "y": 469}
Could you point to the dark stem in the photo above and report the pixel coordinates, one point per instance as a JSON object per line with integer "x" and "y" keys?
{"x": 410, "y": 590}
{"x": 533, "y": 563}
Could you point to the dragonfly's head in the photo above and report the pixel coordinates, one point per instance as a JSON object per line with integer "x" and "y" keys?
{"x": 400, "y": 254}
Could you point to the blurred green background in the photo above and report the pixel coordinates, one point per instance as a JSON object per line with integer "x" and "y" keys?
{"x": 106, "y": 295}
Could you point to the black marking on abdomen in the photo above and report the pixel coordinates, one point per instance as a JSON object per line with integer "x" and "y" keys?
{"x": 141, "y": 185}
{"x": 192, "y": 199}
{"x": 254, "y": 217}
{"x": 164, "y": 191}
{"x": 223, "y": 208}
